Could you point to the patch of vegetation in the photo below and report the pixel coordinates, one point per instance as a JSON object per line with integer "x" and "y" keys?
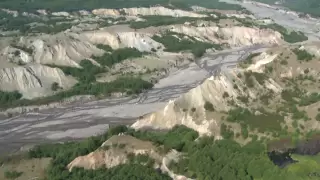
{"x": 160, "y": 21}
{"x": 47, "y": 29}
{"x": 128, "y": 85}
{"x": 105, "y": 47}
{"x": 55, "y": 86}
{"x": 290, "y": 37}
{"x": 175, "y": 42}
{"x": 262, "y": 121}
{"x": 309, "y": 99}
{"x": 317, "y": 117}
{"x": 297, "y": 114}
{"x": 23, "y": 48}
{"x": 8, "y": 97}
{"x": 244, "y": 99}
{"x": 300, "y": 97}
{"x": 12, "y": 174}
{"x": 291, "y": 95}
{"x": 284, "y": 62}
{"x": 249, "y": 60}
{"x": 265, "y": 98}
{"x": 141, "y": 159}
{"x": 251, "y": 76}
{"x": 226, "y": 131}
{"x": 208, "y": 106}
{"x": 225, "y": 95}
{"x": 23, "y": 24}
{"x": 204, "y": 158}
{"x": 303, "y": 55}
{"x": 178, "y": 138}
{"x": 305, "y": 166}
{"x": 86, "y": 74}
{"x": 64, "y": 5}
{"x": 260, "y": 77}
{"x": 117, "y": 56}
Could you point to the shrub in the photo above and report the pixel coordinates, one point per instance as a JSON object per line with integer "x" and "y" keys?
{"x": 284, "y": 62}
{"x": 303, "y": 55}
{"x": 225, "y": 95}
{"x": 54, "y": 86}
{"x": 208, "y": 106}
{"x": 12, "y": 174}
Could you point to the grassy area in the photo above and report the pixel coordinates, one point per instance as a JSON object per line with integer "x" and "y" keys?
{"x": 175, "y": 42}
{"x": 306, "y": 166}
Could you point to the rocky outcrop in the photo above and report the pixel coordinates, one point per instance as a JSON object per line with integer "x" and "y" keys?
{"x": 140, "y": 41}
{"x": 160, "y": 11}
{"x": 33, "y": 81}
{"x": 184, "y": 109}
{"x": 189, "y": 109}
{"x": 60, "y": 49}
{"x": 106, "y": 12}
{"x": 110, "y": 155}
{"x": 234, "y": 36}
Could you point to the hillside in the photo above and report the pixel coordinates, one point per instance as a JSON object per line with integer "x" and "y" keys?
{"x": 269, "y": 95}
{"x": 155, "y": 90}
{"x": 97, "y": 54}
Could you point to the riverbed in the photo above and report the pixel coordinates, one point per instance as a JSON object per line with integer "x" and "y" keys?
{"x": 78, "y": 121}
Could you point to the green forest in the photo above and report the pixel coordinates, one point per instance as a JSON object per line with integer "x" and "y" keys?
{"x": 305, "y": 6}
{"x": 204, "y": 158}
{"x": 64, "y": 5}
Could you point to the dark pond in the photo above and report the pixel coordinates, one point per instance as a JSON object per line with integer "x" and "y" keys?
{"x": 280, "y": 151}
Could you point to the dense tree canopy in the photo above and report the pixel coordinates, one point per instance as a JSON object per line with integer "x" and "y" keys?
{"x": 64, "y": 5}
{"x": 204, "y": 158}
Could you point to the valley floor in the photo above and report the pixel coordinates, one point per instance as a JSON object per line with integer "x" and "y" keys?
{"x": 82, "y": 120}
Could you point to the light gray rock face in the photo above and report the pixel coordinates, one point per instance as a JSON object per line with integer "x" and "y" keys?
{"x": 33, "y": 81}
{"x": 160, "y": 11}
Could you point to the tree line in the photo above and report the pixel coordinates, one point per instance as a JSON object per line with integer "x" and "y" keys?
{"x": 203, "y": 158}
